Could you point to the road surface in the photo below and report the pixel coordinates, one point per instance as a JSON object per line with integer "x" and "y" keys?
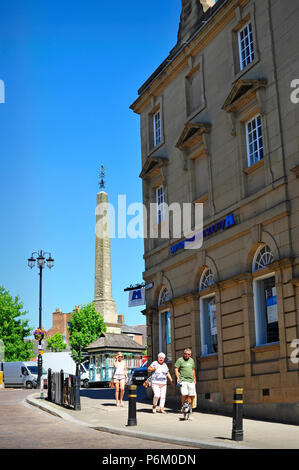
{"x": 25, "y": 427}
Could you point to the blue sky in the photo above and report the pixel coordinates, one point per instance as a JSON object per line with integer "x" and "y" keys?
{"x": 71, "y": 70}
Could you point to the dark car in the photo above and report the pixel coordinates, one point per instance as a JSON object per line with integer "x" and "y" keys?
{"x": 139, "y": 375}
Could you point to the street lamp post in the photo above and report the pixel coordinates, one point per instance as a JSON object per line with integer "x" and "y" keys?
{"x": 41, "y": 260}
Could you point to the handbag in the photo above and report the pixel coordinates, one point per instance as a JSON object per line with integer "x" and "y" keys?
{"x": 111, "y": 384}
{"x": 148, "y": 382}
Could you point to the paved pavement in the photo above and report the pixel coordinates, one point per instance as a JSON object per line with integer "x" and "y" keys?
{"x": 25, "y": 427}
{"x": 208, "y": 431}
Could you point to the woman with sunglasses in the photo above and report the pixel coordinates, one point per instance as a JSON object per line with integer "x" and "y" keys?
{"x": 120, "y": 377}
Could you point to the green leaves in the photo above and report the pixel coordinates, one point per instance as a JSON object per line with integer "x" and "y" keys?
{"x": 55, "y": 343}
{"x": 85, "y": 326}
{"x": 13, "y": 329}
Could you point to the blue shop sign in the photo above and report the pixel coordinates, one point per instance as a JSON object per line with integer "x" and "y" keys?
{"x": 224, "y": 224}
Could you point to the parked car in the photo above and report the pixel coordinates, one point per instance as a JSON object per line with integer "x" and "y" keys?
{"x": 21, "y": 374}
{"x": 139, "y": 375}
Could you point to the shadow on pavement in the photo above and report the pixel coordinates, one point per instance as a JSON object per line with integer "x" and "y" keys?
{"x": 109, "y": 394}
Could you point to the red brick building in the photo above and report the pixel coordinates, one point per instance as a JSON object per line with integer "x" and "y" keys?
{"x": 60, "y": 324}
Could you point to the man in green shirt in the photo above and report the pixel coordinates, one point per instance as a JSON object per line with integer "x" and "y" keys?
{"x": 185, "y": 373}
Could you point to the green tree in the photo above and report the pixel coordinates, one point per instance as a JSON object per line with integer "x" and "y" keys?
{"x": 13, "y": 329}
{"x": 85, "y": 326}
{"x": 55, "y": 343}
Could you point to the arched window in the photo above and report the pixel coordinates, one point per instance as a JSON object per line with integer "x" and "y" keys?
{"x": 164, "y": 297}
{"x": 265, "y": 299}
{"x": 208, "y": 319}
{"x": 164, "y": 324}
{"x": 262, "y": 258}
{"x": 207, "y": 280}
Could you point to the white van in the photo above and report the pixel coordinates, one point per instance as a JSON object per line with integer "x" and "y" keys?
{"x": 21, "y": 374}
{"x": 33, "y": 369}
{"x": 57, "y": 361}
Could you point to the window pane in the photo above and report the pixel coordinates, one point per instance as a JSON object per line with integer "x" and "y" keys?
{"x": 157, "y": 128}
{"x": 165, "y": 332}
{"x": 246, "y": 46}
{"x": 209, "y": 326}
{"x": 160, "y": 200}
{"x": 271, "y": 310}
{"x": 213, "y": 324}
{"x": 254, "y": 140}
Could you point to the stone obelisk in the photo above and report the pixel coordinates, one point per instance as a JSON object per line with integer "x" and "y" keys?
{"x": 103, "y": 299}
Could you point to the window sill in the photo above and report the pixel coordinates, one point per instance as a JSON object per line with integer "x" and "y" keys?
{"x": 246, "y": 69}
{"x": 153, "y": 149}
{"x": 266, "y": 347}
{"x": 256, "y": 166}
{"x": 208, "y": 356}
{"x": 201, "y": 199}
{"x": 196, "y": 112}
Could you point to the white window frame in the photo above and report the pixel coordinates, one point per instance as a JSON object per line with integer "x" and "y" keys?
{"x": 163, "y": 298}
{"x": 259, "y": 313}
{"x": 157, "y": 128}
{"x": 203, "y": 326}
{"x": 207, "y": 279}
{"x": 270, "y": 258}
{"x": 244, "y": 43}
{"x": 160, "y": 202}
{"x": 254, "y": 140}
{"x": 163, "y": 347}
{"x": 258, "y": 296}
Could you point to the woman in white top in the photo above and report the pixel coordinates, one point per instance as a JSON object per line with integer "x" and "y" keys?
{"x": 159, "y": 381}
{"x": 120, "y": 377}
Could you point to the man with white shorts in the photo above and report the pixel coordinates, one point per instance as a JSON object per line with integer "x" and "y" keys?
{"x": 185, "y": 373}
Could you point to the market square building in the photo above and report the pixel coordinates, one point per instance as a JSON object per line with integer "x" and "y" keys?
{"x": 219, "y": 127}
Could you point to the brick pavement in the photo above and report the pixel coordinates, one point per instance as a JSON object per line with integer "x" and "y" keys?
{"x": 26, "y": 427}
{"x": 207, "y": 430}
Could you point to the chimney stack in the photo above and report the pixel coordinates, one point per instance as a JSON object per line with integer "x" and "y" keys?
{"x": 192, "y": 17}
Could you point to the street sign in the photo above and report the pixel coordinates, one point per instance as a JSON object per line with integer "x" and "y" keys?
{"x": 136, "y": 297}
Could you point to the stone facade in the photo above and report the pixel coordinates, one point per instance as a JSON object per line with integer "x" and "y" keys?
{"x": 207, "y": 100}
{"x": 104, "y": 302}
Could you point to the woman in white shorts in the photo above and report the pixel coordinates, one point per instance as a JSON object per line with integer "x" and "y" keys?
{"x": 159, "y": 381}
{"x": 120, "y": 377}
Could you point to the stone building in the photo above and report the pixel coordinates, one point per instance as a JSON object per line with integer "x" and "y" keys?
{"x": 219, "y": 122}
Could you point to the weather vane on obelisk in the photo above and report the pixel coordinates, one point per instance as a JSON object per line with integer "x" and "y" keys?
{"x": 102, "y": 178}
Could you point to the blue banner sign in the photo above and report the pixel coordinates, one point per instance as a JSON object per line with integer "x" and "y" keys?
{"x": 136, "y": 297}
{"x": 224, "y": 224}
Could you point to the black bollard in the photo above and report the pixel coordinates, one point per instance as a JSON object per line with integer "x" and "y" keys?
{"x": 49, "y": 385}
{"x": 77, "y": 392}
{"x": 61, "y": 378}
{"x": 132, "y": 421}
{"x": 237, "y": 432}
